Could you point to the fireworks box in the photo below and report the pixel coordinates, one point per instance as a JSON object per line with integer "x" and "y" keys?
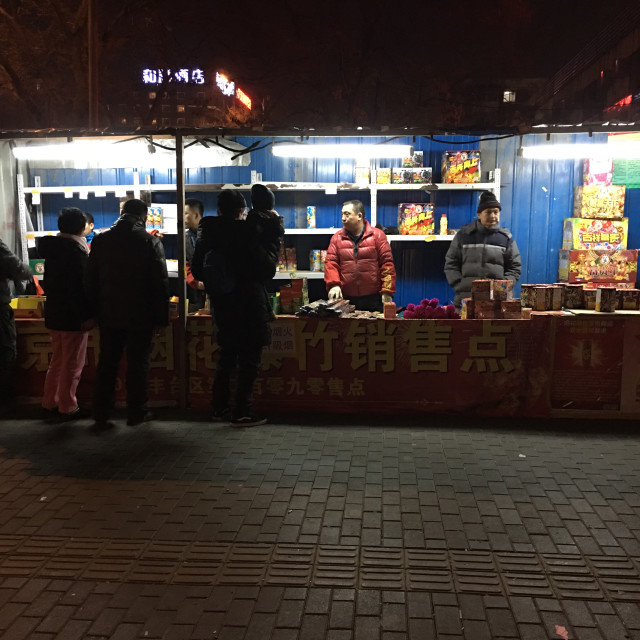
{"x": 461, "y": 167}
{"x": 414, "y": 161}
{"x": 28, "y": 306}
{"x": 618, "y": 266}
{"x": 598, "y": 171}
{"x": 421, "y": 175}
{"x": 415, "y": 218}
{"x": 401, "y": 176}
{"x": 595, "y": 201}
{"x": 589, "y": 233}
{"x": 383, "y": 176}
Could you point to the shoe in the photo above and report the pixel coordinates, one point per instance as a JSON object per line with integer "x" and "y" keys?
{"x": 77, "y": 414}
{"x": 220, "y": 415}
{"x": 102, "y": 425}
{"x": 50, "y": 415}
{"x": 247, "y": 420}
{"x": 135, "y": 419}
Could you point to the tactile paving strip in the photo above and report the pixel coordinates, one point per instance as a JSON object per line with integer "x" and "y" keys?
{"x": 564, "y": 576}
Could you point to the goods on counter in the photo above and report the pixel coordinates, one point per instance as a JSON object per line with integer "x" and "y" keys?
{"x": 490, "y": 299}
{"x": 326, "y": 309}
{"x": 606, "y": 299}
{"x": 28, "y": 306}
{"x": 293, "y": 296}
{"x": 430, "y": 310}
{"x": 595, "y": 201}
{"x": 415, "y": 218}
{"x": 619, "y": 266}
{"x": 461, "y": 167}
{"x": 590, "y": 233}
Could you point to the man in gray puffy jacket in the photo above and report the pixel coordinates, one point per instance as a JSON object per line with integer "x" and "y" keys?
{"x": 482, "y": 249}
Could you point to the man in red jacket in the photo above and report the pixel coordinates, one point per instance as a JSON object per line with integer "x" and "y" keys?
{"x": 359, "y": 264}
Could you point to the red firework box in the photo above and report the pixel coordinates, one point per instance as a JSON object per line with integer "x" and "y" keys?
{"x": 597, "y": 201}
{"x": 616, "y": 267}
{"x": 461, "y": 167}
{"x": 589, "y": 233}
{"x": 415, "y": 218}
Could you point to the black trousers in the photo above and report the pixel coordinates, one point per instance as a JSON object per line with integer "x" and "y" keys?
{"x": 8, "y": 352}
{"x": 137, "y": 345}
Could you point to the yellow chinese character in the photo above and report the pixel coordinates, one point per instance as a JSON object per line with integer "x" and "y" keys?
{"x": 429, "y": 345}
{"x": 370, "y": 344}
{"x": 489, "y": 351}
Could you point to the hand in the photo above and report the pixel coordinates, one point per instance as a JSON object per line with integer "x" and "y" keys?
{"x": 386, "y": 297}
{"x": 335, "y": 293}
{"x": 199, "y": 285}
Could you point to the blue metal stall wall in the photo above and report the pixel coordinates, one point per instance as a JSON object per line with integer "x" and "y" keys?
{"x": 536, "y": 195}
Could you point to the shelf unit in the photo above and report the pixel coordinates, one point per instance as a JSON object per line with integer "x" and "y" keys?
{"x": 329, "y": 188}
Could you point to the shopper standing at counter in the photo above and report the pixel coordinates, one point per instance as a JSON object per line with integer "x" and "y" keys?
{"x": 11, "y": 270}
{"x": 482, "y": 249}
{"x": 359, "y": 264}
{"x": 193, "y": 212}
{"x": 236, "y": 257}
{"x": 67, "y": 313}
{"x": 129, "y": 288}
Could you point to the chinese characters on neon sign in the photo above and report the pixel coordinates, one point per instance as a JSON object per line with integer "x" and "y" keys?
{"x": 184, "y": 76}
{"x": 229, "y": 88}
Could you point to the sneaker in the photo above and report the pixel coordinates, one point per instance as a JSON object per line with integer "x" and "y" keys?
{"x": 220, "y": 415}
{"x": 247, "y": 420}
{"x": 135, "y": 419}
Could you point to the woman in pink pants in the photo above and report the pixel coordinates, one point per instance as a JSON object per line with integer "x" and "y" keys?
{"x": 67, "y": 313}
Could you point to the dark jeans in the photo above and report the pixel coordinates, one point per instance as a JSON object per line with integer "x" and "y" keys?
{"x": 247, "y": 359}
{"x": 138, "y": 349}
{"x": 8, "y": 352}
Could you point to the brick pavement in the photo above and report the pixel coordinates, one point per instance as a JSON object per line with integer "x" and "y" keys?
{"x": 437, "y": 528}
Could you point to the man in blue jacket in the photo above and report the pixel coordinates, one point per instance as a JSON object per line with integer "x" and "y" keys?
{"x": 482, "y": 249}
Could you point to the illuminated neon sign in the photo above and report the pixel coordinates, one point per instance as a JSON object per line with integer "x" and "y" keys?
{"x": 184, "y": 76}
{"x": 229, "y": 88}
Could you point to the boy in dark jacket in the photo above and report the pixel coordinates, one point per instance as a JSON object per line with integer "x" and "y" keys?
{"x": 235, "y": 258}
{"x": 67, "y": 313}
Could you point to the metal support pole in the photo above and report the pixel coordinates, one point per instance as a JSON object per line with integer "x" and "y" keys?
{"x": 92, "y": 79}
{"x": 181, "y": 334}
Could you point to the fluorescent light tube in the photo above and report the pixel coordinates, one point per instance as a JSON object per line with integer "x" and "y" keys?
{"x": 342, "y": 150}
{"x": 579, "y": 151}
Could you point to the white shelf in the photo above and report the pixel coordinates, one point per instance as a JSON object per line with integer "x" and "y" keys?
{"x": 311, "y": 232}
{"x": 410, "y": 238}
{"x": 275, "y": 186}
{"x": 311, "y": 275}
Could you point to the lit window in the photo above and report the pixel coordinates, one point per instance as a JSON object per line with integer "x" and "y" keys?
{"x": 509, "y": 96}
{"x": 123, "y": 121}
{"x": 180, "y": 108}
{"x": 152, "y": 95}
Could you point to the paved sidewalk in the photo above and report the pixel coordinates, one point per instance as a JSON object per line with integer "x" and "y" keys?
{"x": 434, "y": 528}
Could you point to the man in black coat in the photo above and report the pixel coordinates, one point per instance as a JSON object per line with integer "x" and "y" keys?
{"x": 129, "y": 287}
{"x": 12, "y": 269}
{"x": 235, "y": 258}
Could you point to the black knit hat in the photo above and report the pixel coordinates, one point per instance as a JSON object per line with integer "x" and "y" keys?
{"x": 262, "y": 198}
{"x": 488, "y": 200}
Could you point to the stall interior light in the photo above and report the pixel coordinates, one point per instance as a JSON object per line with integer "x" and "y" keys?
{"x": 342, "y": 150}
{"x": 125, "y": 154}
{"x": 625, "y": 150}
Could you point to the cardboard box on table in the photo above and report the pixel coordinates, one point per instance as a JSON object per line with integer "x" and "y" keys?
{"x": 596, "y": 201}
{"x": 590, "y": 233}
{"x": 619, "y": 266}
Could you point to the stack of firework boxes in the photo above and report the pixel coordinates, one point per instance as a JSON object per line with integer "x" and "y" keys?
{"x": 594, "y": 244}
{"x": 491, "y": 299}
